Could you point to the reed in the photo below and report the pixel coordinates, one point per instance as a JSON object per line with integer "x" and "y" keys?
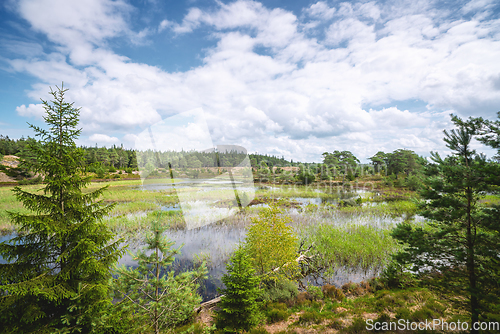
{"x": 351, "y": 246}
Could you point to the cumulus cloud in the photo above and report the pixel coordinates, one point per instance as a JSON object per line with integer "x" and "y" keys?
{"x": 103, "y": 139}
{"x": 271, "y": 86}
{"x": 33, "y": 110}
{"x": 320, "y": 10}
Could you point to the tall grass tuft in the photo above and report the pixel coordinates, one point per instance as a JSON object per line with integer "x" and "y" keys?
{"x": 351, "y": 246}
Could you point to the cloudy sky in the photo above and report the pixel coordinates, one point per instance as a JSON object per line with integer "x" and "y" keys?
{"x": 283, "y": 77}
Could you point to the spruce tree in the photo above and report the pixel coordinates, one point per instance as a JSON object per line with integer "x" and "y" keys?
{"x": 159, "y": 300}
{"x": 239, "y": 307}
{"x": 58, "y": 266}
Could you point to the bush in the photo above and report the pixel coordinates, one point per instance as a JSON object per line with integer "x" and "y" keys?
{"x": 35, "y": 180}
{"x": 277, "y": 314}
{"x": 332, "y": 292}
{"x": 413, "y": 182}
{"x": 258, "y": 331}
{"x": 395, "y": 276}
{"x": 278, "y": 290}
{"x": 271, "y": 243}
{"x": 314, "y": 292}
{"x": 310, "y": 317}
{"x": 100, "y": 172}
{"x": 111, "y": 169}
{"x": 358, "y": 326}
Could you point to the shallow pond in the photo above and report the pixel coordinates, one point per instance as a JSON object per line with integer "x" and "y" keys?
{"x": 216, "y": 239}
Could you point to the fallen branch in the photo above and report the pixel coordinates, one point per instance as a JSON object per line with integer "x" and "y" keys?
{"x": 300, "y": 259}
{"x": 208, "y": 304}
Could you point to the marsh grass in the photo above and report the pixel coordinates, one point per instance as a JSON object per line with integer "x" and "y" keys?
{"x": 402, "y": 208}
{"x": 8, "y": 202}
{"x": 312, "y": 191}
{"x": 490, "y": 200}
{"x": 351, "y": 246}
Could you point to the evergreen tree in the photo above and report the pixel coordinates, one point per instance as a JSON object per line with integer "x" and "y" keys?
{"x": 159, "y": 301}
{"x": 239, "y": 309}
{"x": 459, "y": 247}
{"x": 58, "y": 266}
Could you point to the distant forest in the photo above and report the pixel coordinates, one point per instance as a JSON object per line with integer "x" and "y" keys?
{"x": 400, "y": 161}
{"x": 120, "y": 157}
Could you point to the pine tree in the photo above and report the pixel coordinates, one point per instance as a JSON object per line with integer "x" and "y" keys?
{"x": 460, "y": 244}
{"x": 58, "y": 266}
{"x": 239, "y": 309}
{"x": 160, "y": 301}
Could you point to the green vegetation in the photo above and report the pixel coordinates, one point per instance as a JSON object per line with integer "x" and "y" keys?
{"x": 157, "y": 301}
{"x": 239, "y": 309}
{"x": 457, "y": 250}
{"x": 271, "y": 244}
{"x": 59, "y": 265}
{"x": 58, "y": 278}
{"x": 350, "y": 246}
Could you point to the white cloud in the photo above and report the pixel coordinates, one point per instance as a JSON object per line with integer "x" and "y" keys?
{"x": 299, "y": 95}
{"x": 33, "y": 110}
{"x": 351, "y": 30}
{"x": 320, "y": 10}
{"x": 103, "y": 139}
{"x": 72, "y": 22}
{"x": 475, "y": 5}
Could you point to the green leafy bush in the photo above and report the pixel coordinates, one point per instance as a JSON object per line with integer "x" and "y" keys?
{"x": 279, "y": 290}
{"x": 315, "y": 292}
{"x": 395, "y": 276}
{"x": 276, "y": 312}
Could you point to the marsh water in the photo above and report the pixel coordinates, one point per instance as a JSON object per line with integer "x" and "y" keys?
{"x": 215, "y": 242}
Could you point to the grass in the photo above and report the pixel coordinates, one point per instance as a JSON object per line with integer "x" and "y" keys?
{"x": 351, "y": 246}
{"x": 490, "y": 200}
{"x": 402, "y": 208}
{"x": 132, "y": 200}
{"x": 362, "y": 303}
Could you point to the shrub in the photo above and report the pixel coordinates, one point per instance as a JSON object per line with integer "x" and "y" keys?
{"x": 310, "y": 317}
{"x": 332, "y": 292}
{"x": 111, "y": 169}
{"x": 271, "y": 243}
{"x": 395, "y": 276}
{"x": 358, "y": 326}
{"x": 278, "y": 290}
{"x": 314, "y": 292}
{"x": 276, "y": 315}
{"x": 100, "y": 172}
{"x": 302, "y": 299}
{"x": 35, "y": 180}
{"x": 258, "y": 331}
{"x": 335, "y": 324}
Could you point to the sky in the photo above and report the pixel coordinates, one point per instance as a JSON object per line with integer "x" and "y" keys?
{"x": 281, "y": 77}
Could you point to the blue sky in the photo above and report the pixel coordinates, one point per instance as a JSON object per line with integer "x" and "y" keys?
{"x": 292, "y": 78}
